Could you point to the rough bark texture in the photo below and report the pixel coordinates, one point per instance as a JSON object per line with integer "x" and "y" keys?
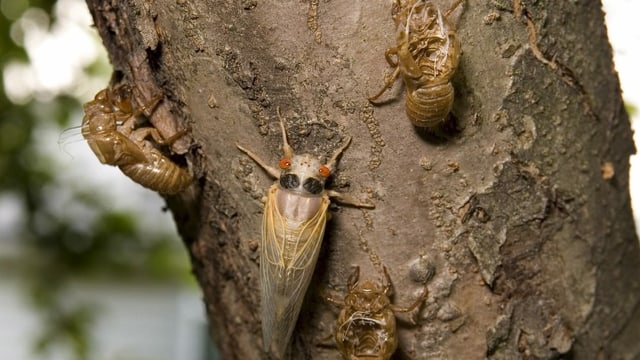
{"x": 533, "y": 245}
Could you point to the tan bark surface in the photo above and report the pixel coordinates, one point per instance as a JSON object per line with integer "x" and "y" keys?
{"x": 532, "y": 246}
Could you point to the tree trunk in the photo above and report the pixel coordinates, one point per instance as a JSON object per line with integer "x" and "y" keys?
{"x": 523, "y": 212}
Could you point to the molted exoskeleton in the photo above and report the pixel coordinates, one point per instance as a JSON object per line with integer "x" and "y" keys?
{"x": 109, "y": 126}
{"x": 426, "y": 57}
{"x": 366, "y": 325}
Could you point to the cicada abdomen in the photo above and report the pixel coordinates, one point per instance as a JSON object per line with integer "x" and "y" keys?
{"x": 293, "y": 224}
{"x": 158, "y": 172}
{"x": 429, "y": 107}
{"x": 426, "y": 57}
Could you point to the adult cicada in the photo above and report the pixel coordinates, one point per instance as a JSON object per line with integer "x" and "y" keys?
{"x": 366, "y": 325}
{"x": 426, "y": 56}
{"x": 293, "y": 224}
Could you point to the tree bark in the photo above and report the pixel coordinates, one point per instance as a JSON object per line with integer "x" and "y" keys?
{"x": 523, "y": 213}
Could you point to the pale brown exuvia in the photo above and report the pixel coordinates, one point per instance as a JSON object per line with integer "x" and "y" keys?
{"x": 366, "y": 325}
{"x": 426, "y": 56}
{"x": 110, "y": 127}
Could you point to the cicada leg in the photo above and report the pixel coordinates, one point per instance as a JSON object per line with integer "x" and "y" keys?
{"x": 273, "y": 172}
{"x": 347, "y": 200}
{"x": 353, "y": 278}
{"x": 129, "y": 124}
{"x": 419, "y": 300}
{"x": 388, "y": 286}
{"x": 333, "y": 300}
{"x": 388, "y": 291}
{"x": 144, "y": 132}
{"x": 453, "y": 8}
{"x": 389, "y": 55}
{"x": 173, "y": 138}
{"x": 392, "y": 79}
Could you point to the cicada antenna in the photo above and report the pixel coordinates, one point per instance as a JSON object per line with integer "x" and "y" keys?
{"x": 331, "y": 164}
{"x": 286, "y": 148}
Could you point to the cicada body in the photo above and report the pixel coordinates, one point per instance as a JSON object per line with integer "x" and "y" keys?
{"x": 366, "y": 325}
{"x": 109, "y": 126}
{"x": 102, "y": 115}
{"x": 292, "y": 231}
{"x": 157, "y": 172}
{"x": 293, "y": 224}
{"x": 426, "y": 57}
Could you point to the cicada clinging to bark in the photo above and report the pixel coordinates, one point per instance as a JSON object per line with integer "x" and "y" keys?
{"x": 293, "y": 224}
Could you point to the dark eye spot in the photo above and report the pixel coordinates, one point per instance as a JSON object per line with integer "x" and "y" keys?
{"x": 289, "y": 181}
{"x": 314, "y": 186}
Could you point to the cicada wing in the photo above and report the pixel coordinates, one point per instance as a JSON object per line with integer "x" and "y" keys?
{"x": 288, "y": 255}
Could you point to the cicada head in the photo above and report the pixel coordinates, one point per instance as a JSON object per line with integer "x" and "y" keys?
{"x": 368, "y": 297}
{"x": 120, "y": 98}
{"x": 97, "y": 123}
{"x": 303, "y": 173}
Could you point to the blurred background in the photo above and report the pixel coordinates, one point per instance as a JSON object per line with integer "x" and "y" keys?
{"x": 91, "y": 266}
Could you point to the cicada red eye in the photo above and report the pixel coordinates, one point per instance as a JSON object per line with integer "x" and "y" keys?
{"x": 324, "y": 171}
{"x": 285, "y": 163}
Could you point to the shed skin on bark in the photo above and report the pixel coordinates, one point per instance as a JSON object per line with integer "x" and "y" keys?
{"x": 534, "y": 250}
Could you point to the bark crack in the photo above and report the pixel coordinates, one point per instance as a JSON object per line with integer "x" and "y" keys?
{"x": 561, "y": 70}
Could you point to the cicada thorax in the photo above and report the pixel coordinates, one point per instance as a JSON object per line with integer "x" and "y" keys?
{"x": 438, "y": 57}
{"x": 100, "y": 135}
{"x": 102, "y": 115}
{"x": 109, "y": 108}
{"x": 297, "y": 221}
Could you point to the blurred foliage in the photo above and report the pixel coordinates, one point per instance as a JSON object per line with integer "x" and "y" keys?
{"x": 632, "y": 110}
{"x": 56, "y": 250}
